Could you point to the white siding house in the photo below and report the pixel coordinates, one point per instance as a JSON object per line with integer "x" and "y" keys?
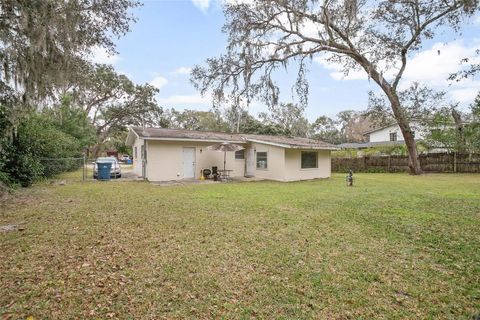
{"x": 387, "y": 136}
{"x": 393, "y": 133}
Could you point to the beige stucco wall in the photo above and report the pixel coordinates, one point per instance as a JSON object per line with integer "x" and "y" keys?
{"x": 137, "y": 161}
{"x": 165, "y": 160}
{"x": 294, "y": 171}
{"x": 275, "y": 162}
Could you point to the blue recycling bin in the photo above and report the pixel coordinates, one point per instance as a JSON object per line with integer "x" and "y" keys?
{"x": 129, "y": 161}
{"x": 104, "y": 170}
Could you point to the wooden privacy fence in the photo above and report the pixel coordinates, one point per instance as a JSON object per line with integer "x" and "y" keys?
{"x": 433, "y": 162}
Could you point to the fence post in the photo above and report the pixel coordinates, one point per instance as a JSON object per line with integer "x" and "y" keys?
{"x": 84, "y": 172}
{"x": 388, "y": 168}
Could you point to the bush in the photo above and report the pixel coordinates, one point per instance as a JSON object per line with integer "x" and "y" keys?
{"x": 17, "y": 164}
{"x": 346, "y": 153}
{"x": 25, "y": 154}
{"x": 47, "y": 142}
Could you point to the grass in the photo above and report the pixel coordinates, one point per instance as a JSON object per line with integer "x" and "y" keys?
{"x": 393, "y": 247}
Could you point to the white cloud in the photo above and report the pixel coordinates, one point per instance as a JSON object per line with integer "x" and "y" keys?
{"x": 235, "y": 2}
{"x": 425, "y": 66}
{"x": 352, "y": 75}
{"x": 100, "y": 55}
{"x": 310, "y": 28}
{"x": 182, "y": 71}
{"x": 465, "y": 94}
{"x": 336, "y": 70}
{"x": 437, "y": 63}
{"x": 194, "y": 99}
{"x": 433, "y": 66}
{"x": 476, "y": 20}
{"x": 430, "y": 67}
{"x": 159, "y": 82}
{"x": 201, "y": 4}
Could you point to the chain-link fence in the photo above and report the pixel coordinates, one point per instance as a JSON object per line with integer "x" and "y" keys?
{"x": 78, "y": 169}
{"x": 64, "y": 168}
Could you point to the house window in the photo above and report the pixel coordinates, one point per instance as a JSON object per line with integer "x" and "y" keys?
{"x": 309, "y": 159}
{"x": 240, "y": 155}
{"x": 393, "y": 136}
{"x": 136, "y": 153}
{"x": 262, "y": 160}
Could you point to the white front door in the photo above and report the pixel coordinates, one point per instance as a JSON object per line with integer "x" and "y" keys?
{"x": 188, "y": 163}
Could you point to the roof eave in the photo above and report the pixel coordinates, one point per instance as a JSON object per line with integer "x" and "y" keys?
{"x": 314, "y": 148}
{"x": 131, "y": 136}
{"x": 289, "y": 146}
{"x": 193, "y": 140}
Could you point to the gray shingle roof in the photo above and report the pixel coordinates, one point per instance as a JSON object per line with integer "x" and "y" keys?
{"x": 292, "y": 142}
{"x": 185, "y": 134}
{"x": 180, "y": 134}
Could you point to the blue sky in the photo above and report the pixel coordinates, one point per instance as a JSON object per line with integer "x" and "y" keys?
{"x": 171, "y": 36}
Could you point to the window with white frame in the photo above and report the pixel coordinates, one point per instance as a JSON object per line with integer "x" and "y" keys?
{"x": 309, "y": 159}
{"x": 240, "y": 155}
{"x": 262, "y": 160}
{"x": 393, "y": 136}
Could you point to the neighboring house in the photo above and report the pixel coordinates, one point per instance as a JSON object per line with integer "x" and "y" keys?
{"x": 387, "y": 136}
{"x": 392, "y": 133}
{"x": 171, "y": 154}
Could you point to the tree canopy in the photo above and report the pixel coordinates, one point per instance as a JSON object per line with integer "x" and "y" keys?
{"x": 42, "y": 40}
{"x": 48, "y": 85}
{"x": 451, "y": 129}
{"x": 289, "y": 117}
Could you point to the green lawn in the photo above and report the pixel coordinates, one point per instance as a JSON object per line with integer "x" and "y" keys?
{"x": 393, "y": 246}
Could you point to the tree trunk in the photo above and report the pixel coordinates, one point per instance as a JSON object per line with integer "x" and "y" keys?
{"x": 95, "y": 151}
{"x": 402, "y": 121}
{"x": 398, "y": 113}
{"x": 459, "y": 134}
{"x": 238, "y": 120}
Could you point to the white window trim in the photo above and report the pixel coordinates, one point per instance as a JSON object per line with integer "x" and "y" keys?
{"x": 390, "y": 136}
{"x": 308, "y": 169}
{"x": 243, "y": 156}
{"x": 256, "y": 163}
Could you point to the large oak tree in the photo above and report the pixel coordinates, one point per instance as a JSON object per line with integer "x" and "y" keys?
{"x": 41, "y": 41}
{"x": 111, "y": 100}
{"x": 376, "y": 36}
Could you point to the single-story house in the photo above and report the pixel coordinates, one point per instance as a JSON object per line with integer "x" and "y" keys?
{"x": 171, "y": 154}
